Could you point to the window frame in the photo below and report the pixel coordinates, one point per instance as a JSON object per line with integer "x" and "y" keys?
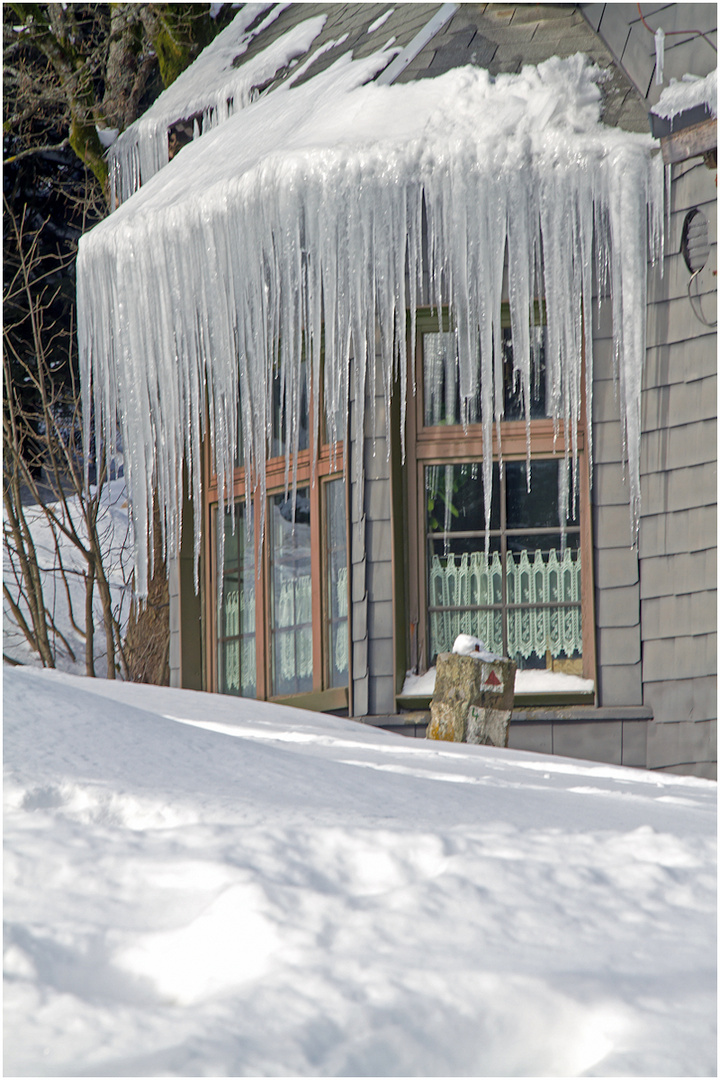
{"x": 329, "y": 465}
{"x": 452, "y": 444}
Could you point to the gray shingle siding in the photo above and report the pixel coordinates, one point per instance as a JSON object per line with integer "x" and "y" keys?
{"x": 618, "y": 682}
{"x": 682, "y": 744}
{"x": 371, "y": 553}
{"x": 616, "y": 606}
{"x": 679, "y": 404}
{"x": 621, "y": 742}
{"x": 691, "y": 699}
{"x": 687, "y": 566}
{"x": 619, "y": 565}
{"x": 681, "y": 489}
{"x": 678, "y": 530}
{"x": 683, "y": 362}
{"x": 689, "y": 614}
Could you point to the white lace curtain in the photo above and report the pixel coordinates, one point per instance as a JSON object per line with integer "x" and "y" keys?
{"x": 239, "y": 611}
{"x": 532, "y": 578}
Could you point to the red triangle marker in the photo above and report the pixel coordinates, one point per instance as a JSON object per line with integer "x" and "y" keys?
{"x": 492, "y": 680}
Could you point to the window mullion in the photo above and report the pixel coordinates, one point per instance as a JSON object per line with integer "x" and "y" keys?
{"x": 503, "y": 560}
{"x": 262, "y": 603}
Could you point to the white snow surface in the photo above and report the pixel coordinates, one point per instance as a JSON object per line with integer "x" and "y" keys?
{"x": 687, "y": 93}
{"x": 298, "y": 224}
{"x": 115, "y": 534}
{"x": 532, "y": 681}
{"x": 212, "y": 87}
{"x": 380, "y": 21}
{"x": 197, "y": 885}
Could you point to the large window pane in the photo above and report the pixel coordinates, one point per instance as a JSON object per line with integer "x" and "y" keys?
{"x": 538, "y": 508}
{"x": 441, "y": 380}
{"x": 514, "y": 405}
{"x": 290, "y": 594}
{"x": 454, "y": 500}
{"x": 336, "y": 583}
{"x": 236, "y": 618}
{"x": 280, "y": 433}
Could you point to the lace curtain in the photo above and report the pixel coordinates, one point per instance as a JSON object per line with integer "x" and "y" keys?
{"x": 239, "y": 611}
{"x": 532, "y": 578}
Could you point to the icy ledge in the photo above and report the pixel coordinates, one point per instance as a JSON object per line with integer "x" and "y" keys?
{"x": 309, "y": 218}
{"x": 687, "y": 93}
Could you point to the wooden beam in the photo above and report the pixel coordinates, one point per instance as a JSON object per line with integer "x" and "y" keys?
{"x": 689, "y": 142}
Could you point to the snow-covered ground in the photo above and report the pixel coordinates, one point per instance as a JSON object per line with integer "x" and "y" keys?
{"x": 197, "y": 885}
{"x": 116, "y": 537}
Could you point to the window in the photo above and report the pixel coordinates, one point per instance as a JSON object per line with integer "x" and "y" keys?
{"x": 281, "y": 627}
{"x": 517, "y": 586}
{"x": 236, "y": 615}
{"x": 520, "y": 584}
{"x": 290, "y": 579}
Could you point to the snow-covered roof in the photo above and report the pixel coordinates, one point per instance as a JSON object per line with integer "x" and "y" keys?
{"x": 270, "y": 43}
{"x": 301, "y": 219}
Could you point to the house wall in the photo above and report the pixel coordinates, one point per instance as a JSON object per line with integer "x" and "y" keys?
{"x": 616, "y": 572}
{"x": 655, "y": 607}
{"x": 678, "y": 531}
{"x": 373, "y": 668}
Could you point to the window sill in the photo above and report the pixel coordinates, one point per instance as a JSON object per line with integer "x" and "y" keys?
{"x": 416, "y": 702}
{"x": 316, "y": 700}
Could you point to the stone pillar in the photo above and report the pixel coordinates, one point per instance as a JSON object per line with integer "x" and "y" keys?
{"x": 473, "y": 700}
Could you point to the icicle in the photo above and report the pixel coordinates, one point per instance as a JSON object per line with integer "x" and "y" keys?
{"x": 193, "y": 295}
{"x": 659, "y": 55}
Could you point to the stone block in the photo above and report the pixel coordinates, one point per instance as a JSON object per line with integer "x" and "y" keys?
{"x": 473, "y": 700}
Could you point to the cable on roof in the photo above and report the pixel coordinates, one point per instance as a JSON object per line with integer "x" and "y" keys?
{"x": 674, "y": 33}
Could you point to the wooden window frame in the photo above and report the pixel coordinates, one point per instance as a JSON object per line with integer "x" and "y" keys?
{"x": 453, "y": 444}
{"x": 329, "y": 465}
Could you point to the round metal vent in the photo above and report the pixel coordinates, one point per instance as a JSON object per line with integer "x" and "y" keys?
{"x": 694, "y": 244}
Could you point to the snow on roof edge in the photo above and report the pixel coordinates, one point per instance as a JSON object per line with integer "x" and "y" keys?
{"x": 212, "y": 88}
